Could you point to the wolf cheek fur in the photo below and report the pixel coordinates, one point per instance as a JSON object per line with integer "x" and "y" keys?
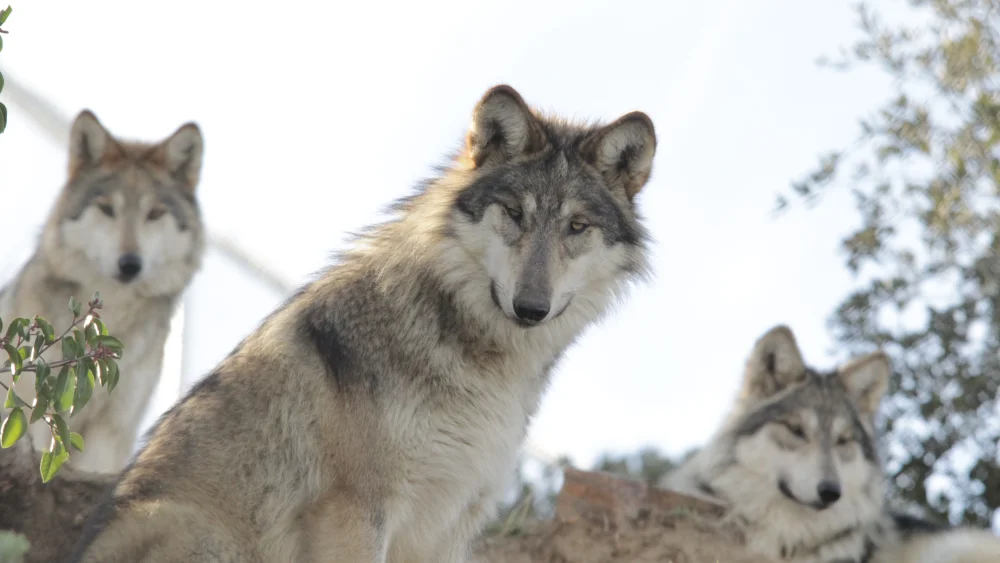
{"x": 377, "y": 415}
{"x": 126, "y": 224}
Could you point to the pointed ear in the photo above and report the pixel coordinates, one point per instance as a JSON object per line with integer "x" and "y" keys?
{"x": 89, "y": 141}
{"x": 182, "y": 154}
{"x": 503, "y": 127}
{"x": 623, "y": 152}
{"x": 775, "y": 364}
{"x": 867, "y": 379}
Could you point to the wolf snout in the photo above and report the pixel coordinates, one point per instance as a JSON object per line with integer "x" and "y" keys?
{"x": 531, "y": 307}
{"x": 129, "y": 266}
{"x": 829, "y": 492}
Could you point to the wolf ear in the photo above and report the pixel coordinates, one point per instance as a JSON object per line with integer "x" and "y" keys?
{"x": 775, "y": 364}
{"x": 89, "y": 141}
{"x": 867, "y": 379}
{"x": 182, "y": 154}
{"x": 503, "y": 128}
{"x": 623, "y": 152}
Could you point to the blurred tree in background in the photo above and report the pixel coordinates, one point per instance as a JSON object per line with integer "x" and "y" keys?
{"x": 925, "y": 174}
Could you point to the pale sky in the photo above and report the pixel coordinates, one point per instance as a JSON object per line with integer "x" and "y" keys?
{"x": 316, "y": 115}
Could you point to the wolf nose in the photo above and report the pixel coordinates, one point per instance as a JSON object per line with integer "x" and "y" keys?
{"x": 129, "y": 266}
{"x": 533, "y": 309}
{"x": 829, "y": 492}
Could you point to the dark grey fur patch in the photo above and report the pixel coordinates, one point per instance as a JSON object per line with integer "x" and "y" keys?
{"x": 551, "y": 185}
{"x": 321, "y": 329}
{"x": 87, "y": 187}
{"x": 824, "y": 394}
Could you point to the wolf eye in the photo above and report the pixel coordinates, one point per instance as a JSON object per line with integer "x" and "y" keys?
{"x": 514, "y": 213}
{"x": 577, "y": 227}
{"x": 106, "y": 208}
{"x": 844, "y": 440}
{"x": 155, "y": 213}
{"x": 795, "y": 429}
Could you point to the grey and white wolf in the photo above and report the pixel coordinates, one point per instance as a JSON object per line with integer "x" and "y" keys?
{"x": 796, "y": 462}
{"x": 377, "y": 415}
{"x": 126, "y": 224}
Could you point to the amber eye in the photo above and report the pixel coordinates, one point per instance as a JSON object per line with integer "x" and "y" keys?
{"x": 105, "y": 207}
{"x": 577, "y": 227}
{"x": 796, "y": 429}
{"x": 155, "y": 213}
{"x": 514, "y": 214}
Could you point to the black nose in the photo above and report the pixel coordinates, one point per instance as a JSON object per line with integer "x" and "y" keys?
{"x": 829, "y": 492}
{"x": 532, "y": 309}
{"x": 129, "y": 266}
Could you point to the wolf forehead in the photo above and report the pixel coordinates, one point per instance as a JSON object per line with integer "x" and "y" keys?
{"x": 822, "y": 393}
{"x": 558, "y": 184}
{"x": 134, "y": 184}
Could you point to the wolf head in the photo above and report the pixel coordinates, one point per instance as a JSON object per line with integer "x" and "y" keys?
{"x": 809, "y": 435}
{"x": 547, "y": 208}
{"x": 128, "y": 218}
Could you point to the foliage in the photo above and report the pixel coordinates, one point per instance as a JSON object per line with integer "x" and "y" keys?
{"x": 925, "y": 174}
{"x": 4, "y": 14}
{"x": 62, "y": 387}
{"x": 12, "y": 547}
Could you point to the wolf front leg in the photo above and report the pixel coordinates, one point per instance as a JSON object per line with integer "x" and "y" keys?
{"x": 456, "y": 544}
{"x": 346, "y": 531}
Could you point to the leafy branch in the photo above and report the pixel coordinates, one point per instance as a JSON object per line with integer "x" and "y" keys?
{"x": 89, "y": 356}
{"x": 4, "y": 14}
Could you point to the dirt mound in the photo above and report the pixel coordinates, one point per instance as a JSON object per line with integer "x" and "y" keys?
{"x": 599, "y": 518}
{"x": 602, "y": 518}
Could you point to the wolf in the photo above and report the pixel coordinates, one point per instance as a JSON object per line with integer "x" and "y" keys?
{"x": 377, "y": 415}
{"x": 797, "y": 465}
{"x": 127, "y": 224}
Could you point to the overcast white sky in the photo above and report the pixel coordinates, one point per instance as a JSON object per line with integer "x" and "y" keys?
{"x": 318, "y": 114}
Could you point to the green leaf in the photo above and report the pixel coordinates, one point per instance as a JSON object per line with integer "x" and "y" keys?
{"x": 74, "y": 307}
{"x": 84, "y": 385}
{"x": 1, "y": 323}
{"x": 15, "y": 358}
{"x": 47, "y": 330}
{"x": 36, "y": 351}
{"x": 91, "y": 331}
{"x": 64, "y": 390}
{"x": 5, "y": 14}
{"x": 63, "y": 429}
{"x": 81, "y": 341}
{"x": 42, "y": 371}
{"x": 51, "y": 463}
{"x": 13, "y": 400}
{"x": 13, "y": 428}
{"x": 1, "y": 82}
{"x": 69, "y": 348}
{"x": 14, "y": 328}
{"x": 101, "y": 327}
{"x": 41, "y": 405}
{"x": 1, "y": 43}
{"x": 110, "y": 342}
{"x": 3, "y": 108}
{"x": 76, "y": 441}
{"x": 112, "y": 377}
